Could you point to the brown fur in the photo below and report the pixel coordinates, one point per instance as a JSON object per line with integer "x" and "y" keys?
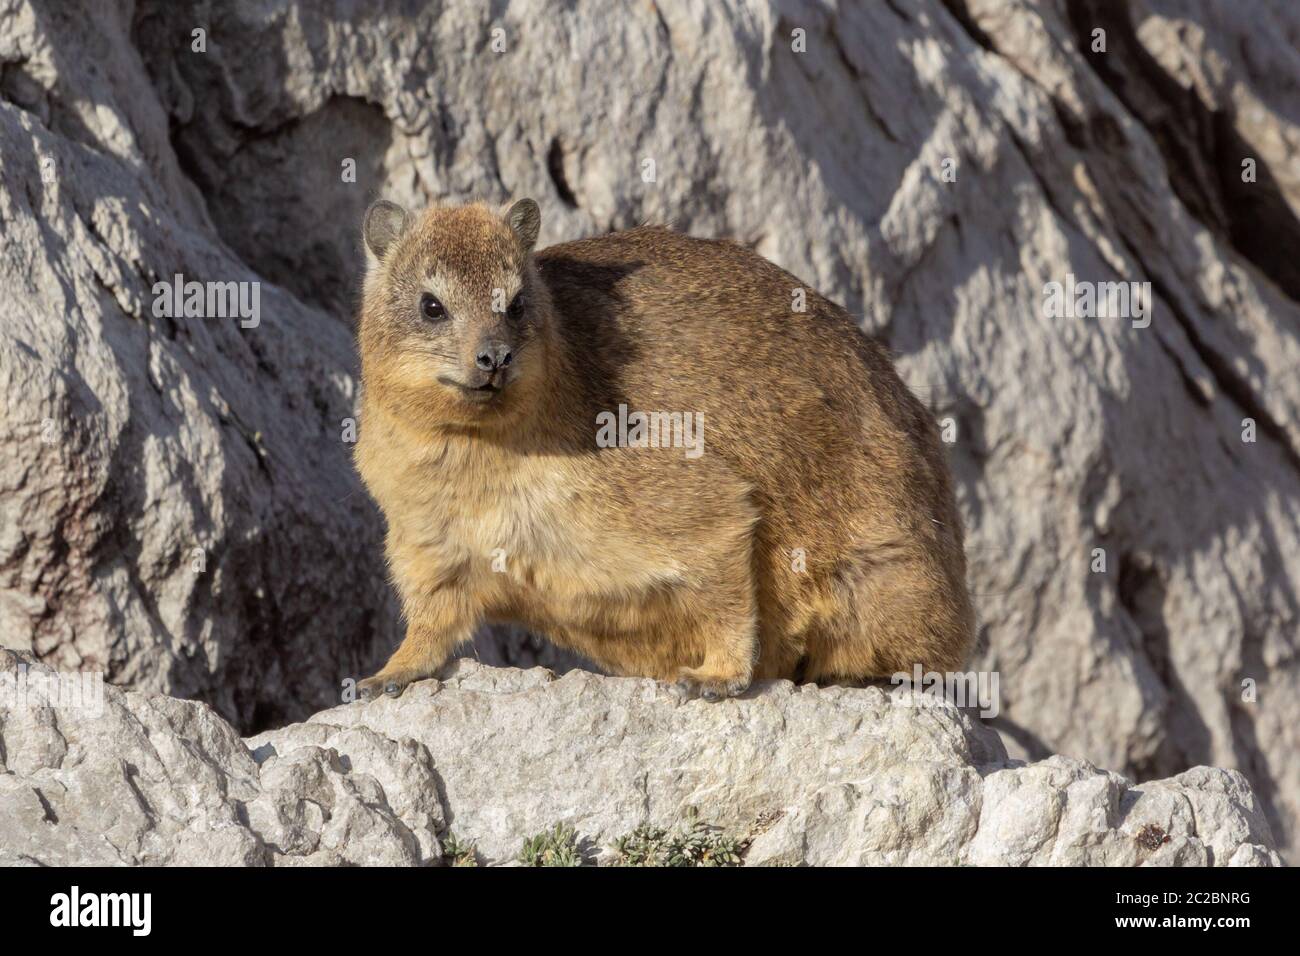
{"x": 642, "y": 559}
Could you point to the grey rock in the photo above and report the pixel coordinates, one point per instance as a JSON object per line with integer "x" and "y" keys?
{"x": 799, "y": 775}
{"x": 177, "y": 507}
{"x": 1071, "y": 434}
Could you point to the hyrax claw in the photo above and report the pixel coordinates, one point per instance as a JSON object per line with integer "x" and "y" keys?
{"x": 372, "y": 687}
{"x": 690, "y": 686}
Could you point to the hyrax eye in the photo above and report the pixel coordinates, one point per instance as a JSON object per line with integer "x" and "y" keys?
{"x": 516, "y": 308}
{"x": 431, "y": 308}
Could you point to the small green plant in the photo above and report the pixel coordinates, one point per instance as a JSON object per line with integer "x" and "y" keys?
{"x": 556, "y": 847}
{"x": 456, "y": 853}
{"x": 699, "y": 844}
{"x": 644, "y": 846}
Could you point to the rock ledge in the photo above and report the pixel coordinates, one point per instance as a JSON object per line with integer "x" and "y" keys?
{"x": 798, "y": 775}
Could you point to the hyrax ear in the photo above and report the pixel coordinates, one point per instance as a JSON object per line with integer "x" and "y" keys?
{"x": 525, "y": 221}
{"x": 384, "y": 224}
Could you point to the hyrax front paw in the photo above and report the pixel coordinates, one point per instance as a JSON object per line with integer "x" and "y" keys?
{"x": 707, "y": 685}
{"x": 385, "y": 684}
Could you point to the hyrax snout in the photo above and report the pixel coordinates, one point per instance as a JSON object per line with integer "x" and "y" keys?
{"x": 638, "y": 446}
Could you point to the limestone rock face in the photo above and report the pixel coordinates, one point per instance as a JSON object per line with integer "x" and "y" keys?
{"x": 796, "y": 775}
{"x": 177, "y": 504}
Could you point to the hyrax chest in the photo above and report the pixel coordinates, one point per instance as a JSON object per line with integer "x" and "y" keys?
{"x": 534, "y": 539}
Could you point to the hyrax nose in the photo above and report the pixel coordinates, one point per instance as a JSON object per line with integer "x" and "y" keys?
{"x": 492, "y": 356}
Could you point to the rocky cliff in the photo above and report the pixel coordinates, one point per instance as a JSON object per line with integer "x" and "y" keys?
{"x": 177, "y": 505}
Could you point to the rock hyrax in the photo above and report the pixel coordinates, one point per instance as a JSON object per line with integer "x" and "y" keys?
{"x": 664, "y": 453}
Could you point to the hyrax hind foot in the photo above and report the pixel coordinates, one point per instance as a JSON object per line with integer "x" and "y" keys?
{"x": 698, "y": 682}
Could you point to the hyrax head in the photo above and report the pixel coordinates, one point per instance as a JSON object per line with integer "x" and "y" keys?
{"x": 453, "y": 321}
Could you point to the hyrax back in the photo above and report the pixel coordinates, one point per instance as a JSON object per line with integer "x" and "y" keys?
{"x": 796, "y": 521}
